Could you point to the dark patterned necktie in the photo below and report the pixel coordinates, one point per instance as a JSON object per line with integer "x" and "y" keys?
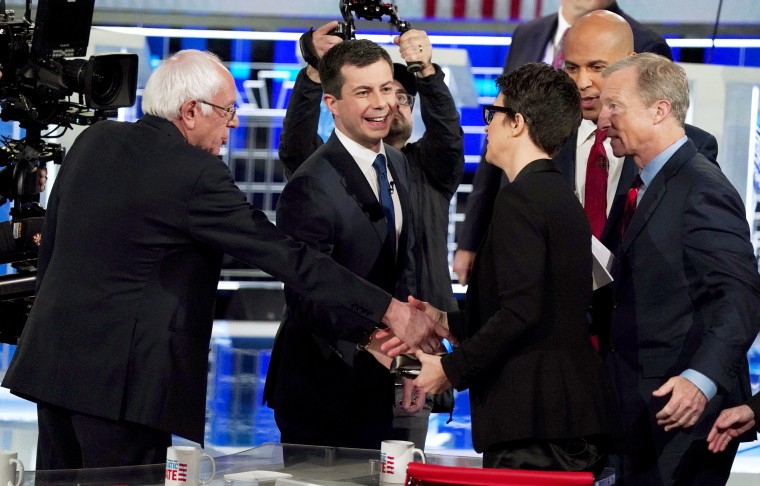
{"x": 595, "y": 198}
{"x": 630, "y": 204}
{"x": 384, "y": 192}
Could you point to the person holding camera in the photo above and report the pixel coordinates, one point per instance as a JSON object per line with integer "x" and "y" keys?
{"x": 115, "y": 349}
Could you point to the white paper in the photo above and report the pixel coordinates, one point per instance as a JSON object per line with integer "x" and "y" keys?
{"x": 603, "y": 260}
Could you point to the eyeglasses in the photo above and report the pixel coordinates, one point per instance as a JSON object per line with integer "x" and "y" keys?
{"x": 490, "y": 110}
{"x": 405, "y": 99}
{"x": 229, "y": 111}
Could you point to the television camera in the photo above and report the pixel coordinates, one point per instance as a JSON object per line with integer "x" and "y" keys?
{"x": 45, "y": 83}
{"x": 363, "y": 9}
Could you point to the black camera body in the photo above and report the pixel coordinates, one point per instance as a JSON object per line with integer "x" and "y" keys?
{"x": 37, "y": 89}
{"x": 370, "y": 10}
{"x": 38, "y": 79}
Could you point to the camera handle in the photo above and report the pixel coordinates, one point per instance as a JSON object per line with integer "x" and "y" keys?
{"x": 370, "y": 10}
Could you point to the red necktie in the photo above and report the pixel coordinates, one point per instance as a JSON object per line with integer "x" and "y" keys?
{"x": 595, "y": 199}
{"x": 630, "y": 204}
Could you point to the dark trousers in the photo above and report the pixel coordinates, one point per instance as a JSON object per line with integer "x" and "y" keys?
{"x": 411, "y": 426}
{"x": 678, "y": 463}
{"x": 576, "y": 454}
{"x": 70, "y": 440}
{"x": 361, "y": 432}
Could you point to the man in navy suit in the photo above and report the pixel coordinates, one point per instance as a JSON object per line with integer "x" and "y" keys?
{"x": 324, "y": 383}
{"x": 686, "y": 289}
{"x": 535, "y": 41}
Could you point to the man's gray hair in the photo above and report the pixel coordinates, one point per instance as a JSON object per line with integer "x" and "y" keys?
{"x": 187, "y": 75}
{"x": 658, "y": 78}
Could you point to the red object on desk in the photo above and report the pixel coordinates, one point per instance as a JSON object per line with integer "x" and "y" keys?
{"x": 418, "y": 474}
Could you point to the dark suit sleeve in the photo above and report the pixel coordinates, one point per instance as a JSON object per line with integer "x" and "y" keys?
{"x": 440, "y": 151}
{"x": 299, "y": 138}
{"x": 479, "y": 207}
{"x": 754, "y": 404}
{"x": 304, "y": 212}
{"x": 219, "y": 216}
{"x": 519, "y": 263}
{"x": 716, "y": 246}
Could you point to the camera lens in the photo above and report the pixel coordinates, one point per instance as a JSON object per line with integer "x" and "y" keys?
{"x": 106, "y": 84}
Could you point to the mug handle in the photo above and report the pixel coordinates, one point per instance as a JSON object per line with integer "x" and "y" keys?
{"x": 20, "y": 471}
{"x": 213, "y": 468}
{"x": 419, "y": 451}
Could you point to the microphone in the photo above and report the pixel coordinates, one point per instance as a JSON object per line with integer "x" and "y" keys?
{"x": 393, "y": 185}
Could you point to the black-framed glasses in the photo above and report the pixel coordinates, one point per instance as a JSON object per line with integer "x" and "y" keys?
{"x": 405, "y": 99}
{"x": 490, "y": 110}
{"x": 229, "y": 111}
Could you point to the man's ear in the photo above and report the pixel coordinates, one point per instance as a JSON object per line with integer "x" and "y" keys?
{"x": 330, "y": 102}
{"x": 189, "y": 112}
{"x": 662, "y": 110}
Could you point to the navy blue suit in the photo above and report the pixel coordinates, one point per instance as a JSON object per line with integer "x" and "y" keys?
{"x": 323, "y": 390}
{"x": 686, "y": 296}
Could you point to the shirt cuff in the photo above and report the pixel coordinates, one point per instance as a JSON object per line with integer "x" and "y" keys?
{"x": 705, "y": 384}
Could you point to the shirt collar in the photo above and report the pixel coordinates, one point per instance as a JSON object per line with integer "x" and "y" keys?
{"x": 649, "y": 172}
{"x": 363, "y": 156}
{"x": 585, "y": 130}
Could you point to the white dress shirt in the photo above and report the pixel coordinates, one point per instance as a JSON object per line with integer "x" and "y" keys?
{"x": 364, "y": 158}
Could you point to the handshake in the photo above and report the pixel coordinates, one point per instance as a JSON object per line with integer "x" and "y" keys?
{"x": 413, "y": 326}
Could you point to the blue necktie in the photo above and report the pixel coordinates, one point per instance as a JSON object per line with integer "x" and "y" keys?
{"x": 385, "y": 198}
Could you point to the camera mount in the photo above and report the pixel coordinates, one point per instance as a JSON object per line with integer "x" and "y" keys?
{"x": 371, "y": 10}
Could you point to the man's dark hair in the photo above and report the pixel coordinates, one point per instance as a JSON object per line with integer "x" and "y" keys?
{"x": 354, "y": 52}
{"x": 547, "y": 99}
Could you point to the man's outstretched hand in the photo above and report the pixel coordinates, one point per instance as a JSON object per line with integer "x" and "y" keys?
{"x": 414, "y": 328}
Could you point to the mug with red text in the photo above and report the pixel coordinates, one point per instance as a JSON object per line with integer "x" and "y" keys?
{"x": 183, "y": 466}
{"x": 395, "y": 456}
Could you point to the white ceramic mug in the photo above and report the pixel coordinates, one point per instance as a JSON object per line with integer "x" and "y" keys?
{"x": 183, "y": 466}
{"x": 395, "y": 456}
{"x": 9, "y": 465}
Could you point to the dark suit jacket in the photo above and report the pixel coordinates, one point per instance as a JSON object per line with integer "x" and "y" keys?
{"x": 329, "y": 205}
{"x": 687, "y": 295}
{"x": 527, "y": 358}
{"x": 529, "y": 42}
{"x": 706, "y": 144}
{"x": 131, "y": 253}
{"x": 436, "y": 164}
